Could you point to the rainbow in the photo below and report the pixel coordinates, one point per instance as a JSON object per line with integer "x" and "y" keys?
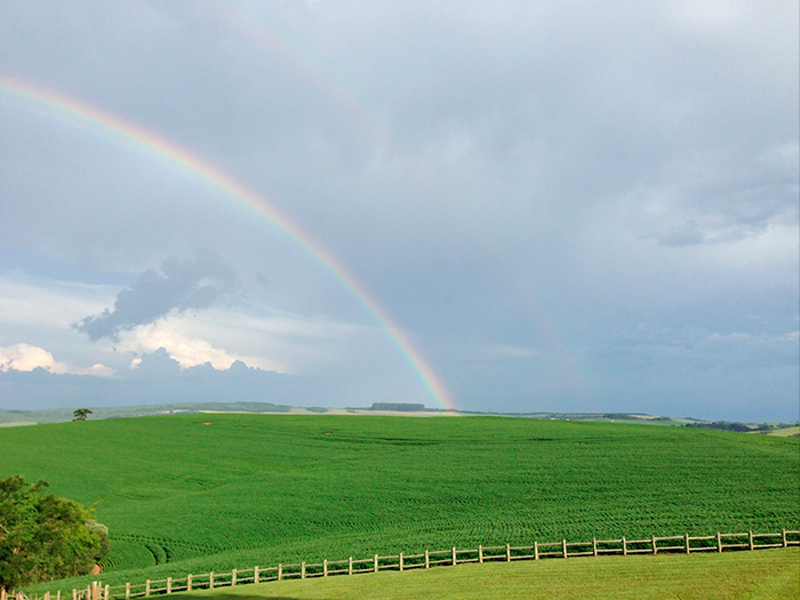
{"x": 302, "y": 61}
{"x": 111, "y": 127}
{"x": 299, "y": 61}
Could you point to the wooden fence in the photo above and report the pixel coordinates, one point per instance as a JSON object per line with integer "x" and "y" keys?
{"x": 400, "y": 562}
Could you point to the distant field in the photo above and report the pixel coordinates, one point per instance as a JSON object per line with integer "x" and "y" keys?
{"x": 786, "y": 432}
{"x": 761, "y": 575}
{"x": 192, "y": 493}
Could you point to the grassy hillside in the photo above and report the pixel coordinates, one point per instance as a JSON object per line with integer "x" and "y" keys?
{"x": 763, "y": 575}
{"x": 192, "y": 493}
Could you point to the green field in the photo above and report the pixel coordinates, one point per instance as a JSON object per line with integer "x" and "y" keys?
{"x": 182, "y": 496}
{"x": 762, "y": 575}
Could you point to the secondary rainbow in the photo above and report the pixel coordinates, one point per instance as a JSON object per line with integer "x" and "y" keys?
{"x": 300, "y": 61}
{"x": 118, "y": 130}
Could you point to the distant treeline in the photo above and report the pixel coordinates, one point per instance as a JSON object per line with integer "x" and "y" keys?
{"x": 398, "y": 406}
{"x": 729, "y": 426}
{"x": 638, "y": 416}
{"x": 114, "y": 412}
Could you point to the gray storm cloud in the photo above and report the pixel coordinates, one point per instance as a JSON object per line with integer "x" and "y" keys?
{"x": 194, "y": 283}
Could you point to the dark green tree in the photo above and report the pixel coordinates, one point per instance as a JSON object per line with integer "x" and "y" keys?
{"x": 80, "y": 414}
{"x": 45, "y": 537}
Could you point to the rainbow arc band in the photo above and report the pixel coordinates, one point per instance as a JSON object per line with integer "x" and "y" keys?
{"x": 37, "y": 99}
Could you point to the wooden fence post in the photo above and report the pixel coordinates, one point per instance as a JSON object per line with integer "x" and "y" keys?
{"x": 46, "y": 595}
{"x": 325, "y": 567}
{"x": 303, "y": 570}
{"x": 58, "y": 595}
{"x": 783, "y": 536}
{"x": 255, "y": 574}
{"x": 375, "y": 564}
{"x": 107, "y": 590}
{"x": 594, "y": 546}
{"x": 350, "y": 566}
{"x": 211, "y": 580}
{"x": 719, "y": 542}
{"x": 427, "y": 560}
{"x": 508, "y": 552}
{"x": 535, "y": 550}
{"x": 454, "y": 556}
{"x": 169, "y": 585}
{"x": 401, "y": 561}
{"x": 655, "y": 548}
{"x": 147, "y": 588}
{"x": 280, "y": 571}
{"x": 480, "y": 553}
{"x": 750, "y": 538}
{"x": 624, "y": 546}
{"x": 233, "y": 577}
{"x": 74, "y": 594}
{"x": 564, "y": 547}
{"x": 188, "y": 584}
{"x": 687, "y": 543}
{"x": 128, "y": 589}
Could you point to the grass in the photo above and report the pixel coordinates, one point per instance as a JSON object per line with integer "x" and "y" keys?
{"x": 193, "y": 493}
{"x": 761, "y": 575}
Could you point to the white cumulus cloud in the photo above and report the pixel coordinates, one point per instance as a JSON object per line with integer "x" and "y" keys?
{"x": 25, "y": 357}
{"x": 188, "y": 351}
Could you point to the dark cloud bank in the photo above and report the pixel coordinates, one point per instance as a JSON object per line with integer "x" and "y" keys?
{"x": 191, "y": 284}
{"x": 158, "y": 379}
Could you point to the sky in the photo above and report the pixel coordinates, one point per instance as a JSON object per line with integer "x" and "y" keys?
{"x": 493, "y": 206}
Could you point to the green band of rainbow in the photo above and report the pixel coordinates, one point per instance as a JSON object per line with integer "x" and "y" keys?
{"x": 119, "y": 131}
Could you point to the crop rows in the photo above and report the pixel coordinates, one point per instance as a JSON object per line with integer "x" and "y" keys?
{"x": 180, "y": 496}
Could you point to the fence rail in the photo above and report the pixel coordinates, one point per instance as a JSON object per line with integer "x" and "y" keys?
{"x": 720, "y": 542}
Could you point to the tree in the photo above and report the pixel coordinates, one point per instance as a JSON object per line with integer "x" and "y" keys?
{"x": 45, "y": 537}
{"x": 80, "y": 414}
